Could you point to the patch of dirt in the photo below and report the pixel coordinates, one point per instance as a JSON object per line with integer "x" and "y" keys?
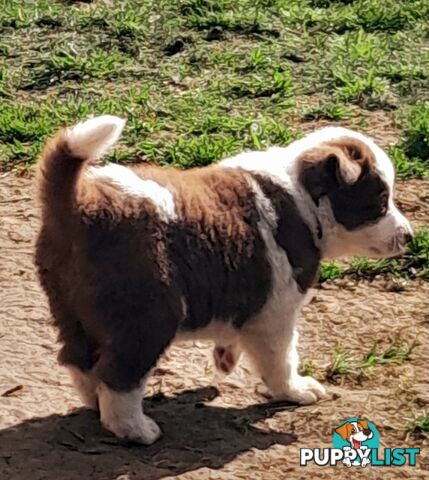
{"x": 214, "y": 428}
{"x": 412, "y": 197}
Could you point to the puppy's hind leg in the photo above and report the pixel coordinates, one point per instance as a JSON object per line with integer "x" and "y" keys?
{"x": 136, "y": 322}
{"x": 123, "y": 369}
{"x": 78, "y": 354}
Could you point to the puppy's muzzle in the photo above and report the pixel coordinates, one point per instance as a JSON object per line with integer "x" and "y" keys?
{"x": 402, "y": 238}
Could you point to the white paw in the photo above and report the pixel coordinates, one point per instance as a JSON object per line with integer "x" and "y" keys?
{"x": 365, "y": 462}
{"x": 303, "y": 390}
{"x": 347, "y": 462}
{"x": 145, "y": 430}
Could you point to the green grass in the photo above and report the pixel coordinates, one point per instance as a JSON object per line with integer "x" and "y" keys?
{"x": 343, "y": 363}
{"x": 416, "y": 134}
{"x": 419, "y": 425}
{"x": 327, "y": 111}
{"x": 308, "y": 368}
{"x": 411, "y": 155}
{"x": 330, "y": 271}
{"x": 394, "y": 354}
{"x": 201, "y": 79}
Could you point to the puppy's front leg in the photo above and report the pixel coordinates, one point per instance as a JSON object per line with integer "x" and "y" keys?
{"x": 275, "y": 355}
{"x": 122, "y": 414}
{"x": 86, "y": 384}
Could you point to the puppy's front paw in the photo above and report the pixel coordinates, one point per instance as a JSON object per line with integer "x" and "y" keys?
{"x": 303, "y": 390}
{"x": 145, "y": 431}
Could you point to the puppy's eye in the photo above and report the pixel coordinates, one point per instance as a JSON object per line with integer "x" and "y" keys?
{"x": 353, "y": 430}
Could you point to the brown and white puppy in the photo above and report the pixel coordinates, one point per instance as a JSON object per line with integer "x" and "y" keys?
{"x": 132, "y": 258}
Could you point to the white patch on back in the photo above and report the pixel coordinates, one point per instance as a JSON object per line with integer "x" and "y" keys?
{"x": 264, "y": 206}
{"x": 131, "y": 184}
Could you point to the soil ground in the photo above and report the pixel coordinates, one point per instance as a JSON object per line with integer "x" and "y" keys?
{"x": 214, "y": 428}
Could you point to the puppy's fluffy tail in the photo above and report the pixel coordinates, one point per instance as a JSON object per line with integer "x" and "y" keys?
{"x": 64, "y": 156}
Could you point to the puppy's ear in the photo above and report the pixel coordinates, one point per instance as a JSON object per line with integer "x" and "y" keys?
{"x": 332, "y": 165}
{"x": 345, "y": 431}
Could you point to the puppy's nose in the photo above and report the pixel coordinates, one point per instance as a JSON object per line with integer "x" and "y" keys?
{"x": 366, "y": 431}
{"x": 408, "y": 238}
{"x": 404, "y": 235}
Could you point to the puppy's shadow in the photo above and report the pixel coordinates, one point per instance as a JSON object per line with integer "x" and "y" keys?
{"x": 195, "y": 435}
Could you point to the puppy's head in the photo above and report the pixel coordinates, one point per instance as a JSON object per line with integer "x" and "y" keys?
{"x": 352, "y": 179}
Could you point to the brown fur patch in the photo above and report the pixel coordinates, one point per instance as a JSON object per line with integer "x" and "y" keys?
{"x": 216, "y": 249}
{"x": 292, "y": 233}
{"x": 344, "y": 171}
{"x": 110, "y": 295}
{"x": 116, "y": 275}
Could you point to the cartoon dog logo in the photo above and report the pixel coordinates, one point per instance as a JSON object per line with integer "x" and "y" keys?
{"x": 356, "y": 443}
{"x": 355, "y": 433}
